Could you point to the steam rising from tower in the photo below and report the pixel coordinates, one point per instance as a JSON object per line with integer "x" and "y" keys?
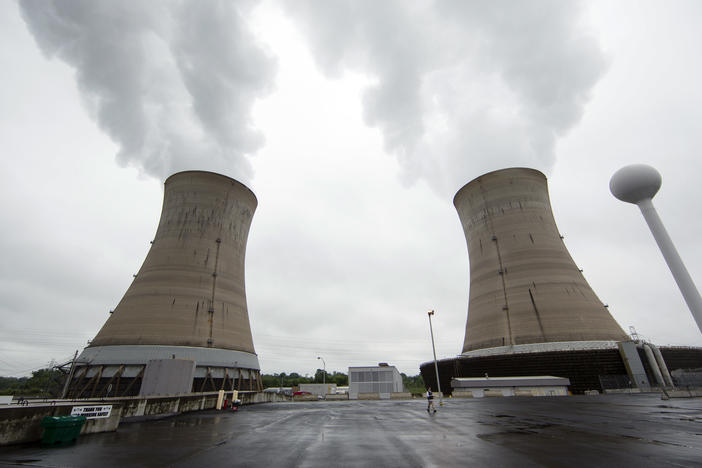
{"x": 524, "y": 286}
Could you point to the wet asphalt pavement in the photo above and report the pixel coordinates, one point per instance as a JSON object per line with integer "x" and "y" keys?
{"x": 611, "y": 430}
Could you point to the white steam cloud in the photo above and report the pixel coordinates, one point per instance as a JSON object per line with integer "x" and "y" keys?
{"x": 461, "y": 87}
{"x": 171, "y": 82}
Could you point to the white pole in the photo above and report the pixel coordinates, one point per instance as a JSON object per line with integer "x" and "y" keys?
{"x": 436, "y": 365}
{"x": 672, "y": 258}
{"x": 324, "y": 371}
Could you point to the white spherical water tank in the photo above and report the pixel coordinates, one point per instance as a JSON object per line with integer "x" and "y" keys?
{"x": 635, "y": 183}
{"x": 638, "y": 184}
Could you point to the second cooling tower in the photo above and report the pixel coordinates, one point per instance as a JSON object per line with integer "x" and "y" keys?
{"x": 187, "y": 302}
{"x": 530, "y": 311}
{"x": 524, "y": 286}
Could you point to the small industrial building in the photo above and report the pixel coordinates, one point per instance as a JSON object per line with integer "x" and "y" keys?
{"x": 319, "y": 389}
{"x": 540, "y": 385}
{"x": 374, "y": 382}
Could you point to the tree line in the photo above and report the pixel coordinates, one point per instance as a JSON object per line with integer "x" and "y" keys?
{"x": 44, "y": 383}
{"x": 413, "y": 384}
{"x": 48, "y": 383}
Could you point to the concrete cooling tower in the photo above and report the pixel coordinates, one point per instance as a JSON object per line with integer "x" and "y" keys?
{"x": 530, "y": 310}
{"x": 183, "y": 324}
{"x": 524, "y": 285}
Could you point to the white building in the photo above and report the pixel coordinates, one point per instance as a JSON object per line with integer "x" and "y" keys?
{"x": 319, "y": 389}
{"x": 540, "y": 385}
{"x": 374, "y": 382}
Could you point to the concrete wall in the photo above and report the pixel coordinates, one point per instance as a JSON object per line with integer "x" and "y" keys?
{"x": 159, "y": 406}
{"x": 319, "y": 389}
{"x": 385, "y": 396}
{"x": 22, "y": 424}
{"x": 509, "y": 391}
{"x": 305, "y": 397}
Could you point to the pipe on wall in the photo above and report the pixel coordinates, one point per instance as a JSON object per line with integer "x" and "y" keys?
{"x": 654, "y": 365}
{"x": 661, "y": 364}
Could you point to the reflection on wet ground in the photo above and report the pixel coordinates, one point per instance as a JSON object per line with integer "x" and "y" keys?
{"x": 611, "y": 430}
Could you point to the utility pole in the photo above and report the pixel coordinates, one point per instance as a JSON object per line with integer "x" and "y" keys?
{"x": 324, "y": 371}
{"x": 436, "y": 365}
{"x": 70, "y": 376}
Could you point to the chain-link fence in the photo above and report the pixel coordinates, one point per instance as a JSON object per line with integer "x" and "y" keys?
{"x": 611, "y": 382}
{"x": 687, "y": 378}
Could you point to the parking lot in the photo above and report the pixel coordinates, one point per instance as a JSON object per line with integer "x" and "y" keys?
{"x": 611, "y": 430}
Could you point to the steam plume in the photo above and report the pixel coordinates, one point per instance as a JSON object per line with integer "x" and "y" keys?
{"x": 461, "y": 87}
{"x": 172, "y": 83}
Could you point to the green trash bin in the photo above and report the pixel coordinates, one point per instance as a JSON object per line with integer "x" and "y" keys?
{"x": 60, "y": 430}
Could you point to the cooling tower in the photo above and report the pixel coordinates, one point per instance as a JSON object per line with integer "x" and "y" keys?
{"x": 188, "y": 300}
{"x": 530, "y": 310}
{"x": 524, "y": 286}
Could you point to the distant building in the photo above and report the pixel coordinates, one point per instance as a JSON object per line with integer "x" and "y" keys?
{"x": 319, "y": 389}
{"x": 478, "y": 387}
{"x": 279, "y": 390}
{"x": 382, "y": 380}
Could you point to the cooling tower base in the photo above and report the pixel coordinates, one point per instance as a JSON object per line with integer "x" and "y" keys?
{"x": 102, "y": 371}
{"x": 589, "y": 365}
{"x": 541, "y": 347}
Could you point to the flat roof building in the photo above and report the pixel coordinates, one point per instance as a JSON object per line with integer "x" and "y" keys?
{"x": 373, "y": 382}
{"x": 537, "y": 385}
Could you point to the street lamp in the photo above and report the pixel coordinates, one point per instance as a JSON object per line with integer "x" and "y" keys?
{"x": 324, "y": 373}
{"x": 436, "y": 366}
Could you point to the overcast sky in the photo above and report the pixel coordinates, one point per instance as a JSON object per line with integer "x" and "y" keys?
{"x": 354, "y": 122}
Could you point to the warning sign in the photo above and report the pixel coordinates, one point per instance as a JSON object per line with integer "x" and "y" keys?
{"x": 92, "y": 412}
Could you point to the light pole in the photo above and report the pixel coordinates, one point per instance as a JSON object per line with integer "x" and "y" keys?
{"x": 436, "y": 366}
{"x": 324, "y": 371}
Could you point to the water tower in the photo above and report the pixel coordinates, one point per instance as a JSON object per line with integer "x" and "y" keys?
{"x": 638, "y": 184}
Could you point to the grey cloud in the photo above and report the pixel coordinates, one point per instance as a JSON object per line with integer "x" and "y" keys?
{"x": 222, "y": 68}
{"x": 383, "y": 39}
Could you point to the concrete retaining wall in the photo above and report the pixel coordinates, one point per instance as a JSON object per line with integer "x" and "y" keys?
{"x": 385, "y": 396}
{"x": 687, "y": 393}
{"x": 508, "y": 391}
{"x": 251, "y": 398}
{"x": 305, "y": 397}
{"x": 21, "y": 424}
